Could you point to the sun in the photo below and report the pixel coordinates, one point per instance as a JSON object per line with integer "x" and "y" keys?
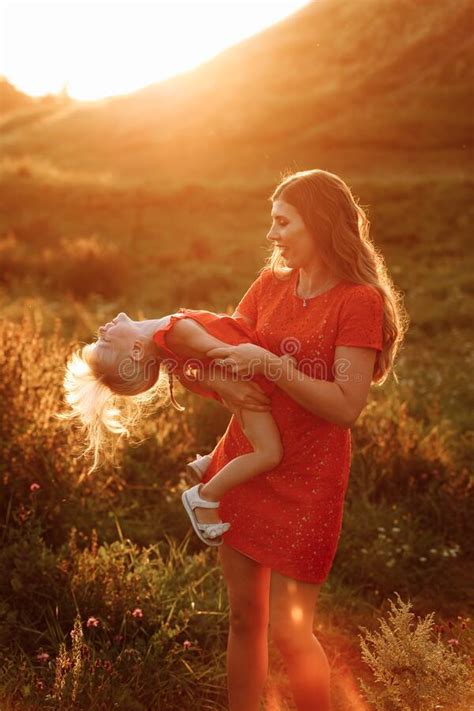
{"x": 95, "y": 50}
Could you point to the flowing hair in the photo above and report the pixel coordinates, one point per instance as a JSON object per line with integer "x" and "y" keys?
{"x": 109, "y": 396}
{"x": 332, "y": 214}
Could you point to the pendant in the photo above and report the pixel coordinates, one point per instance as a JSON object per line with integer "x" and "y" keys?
{"x": 304, "y": 302}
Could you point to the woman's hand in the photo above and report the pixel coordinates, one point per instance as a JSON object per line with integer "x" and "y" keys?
{"x": 234, "y": 393}
{"x": 244, "y": 359}
{"x": 237, "y": 394}
{"x": 241, "y": 395}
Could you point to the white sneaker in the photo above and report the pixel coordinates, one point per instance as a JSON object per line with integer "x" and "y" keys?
{"x": 199, "y": 466}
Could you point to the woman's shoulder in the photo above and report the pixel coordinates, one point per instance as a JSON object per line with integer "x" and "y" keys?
{"x": 364, "y": 296}
{"x": 352, "y": 289}
{"x": 268, "y": 277}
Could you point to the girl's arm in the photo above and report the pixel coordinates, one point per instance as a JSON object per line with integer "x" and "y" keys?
{"x": 189, "y": 339}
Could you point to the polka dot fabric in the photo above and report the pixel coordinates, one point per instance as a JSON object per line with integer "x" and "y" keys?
{"x": 290, "y": 518}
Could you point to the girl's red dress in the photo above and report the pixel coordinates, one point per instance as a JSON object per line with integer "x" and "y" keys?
{"x": 290, "y": 518}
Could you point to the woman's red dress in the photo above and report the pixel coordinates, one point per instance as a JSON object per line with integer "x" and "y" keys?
{"x": 290, "y": 518}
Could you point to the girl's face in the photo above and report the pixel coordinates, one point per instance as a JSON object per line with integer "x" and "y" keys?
{"x": 118, "y": 336}
{"x": 289, "y": 233}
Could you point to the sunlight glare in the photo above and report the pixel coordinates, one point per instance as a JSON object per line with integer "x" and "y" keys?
{"x": 96, "y": 50}
{"x": 296, "y": 613}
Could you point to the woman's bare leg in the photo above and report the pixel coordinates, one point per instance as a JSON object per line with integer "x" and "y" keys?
{"x": 292, "y": 604}
{"x": 247, "y": 649}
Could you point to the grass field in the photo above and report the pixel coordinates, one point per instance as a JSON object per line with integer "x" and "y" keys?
{"x": 95, "y": 221}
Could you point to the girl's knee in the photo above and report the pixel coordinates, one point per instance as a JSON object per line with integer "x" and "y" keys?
{"x": 273, "y": 455}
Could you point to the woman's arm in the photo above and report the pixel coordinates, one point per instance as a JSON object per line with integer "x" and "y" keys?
{"x": 233, "y": 393}
{"x": 359, "y": 336}
{"x": 340, "y": 401}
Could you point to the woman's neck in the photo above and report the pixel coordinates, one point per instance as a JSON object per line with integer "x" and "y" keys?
{"x": 315, "y": 279}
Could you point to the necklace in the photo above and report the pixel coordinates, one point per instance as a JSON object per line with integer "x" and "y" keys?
{"x": 307, "y": 298}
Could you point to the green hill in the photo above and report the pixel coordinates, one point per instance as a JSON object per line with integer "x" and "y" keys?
{"x": 356, "y": 87}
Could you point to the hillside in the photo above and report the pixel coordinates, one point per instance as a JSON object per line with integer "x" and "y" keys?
{"x": 336, "y": 83}
{"x": 11, "y": 99}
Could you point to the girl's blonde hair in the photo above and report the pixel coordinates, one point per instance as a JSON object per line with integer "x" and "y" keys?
{"x": 332, "y": 214}
{"x": 110, "y": 396}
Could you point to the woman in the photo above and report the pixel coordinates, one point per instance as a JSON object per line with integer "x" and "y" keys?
{"x": 326, "y": 299}
{"x": 331, "y": 323}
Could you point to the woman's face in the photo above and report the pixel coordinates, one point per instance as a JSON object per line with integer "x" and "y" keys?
{"x": 289, "y": 233}
{"x": 118, "y": 336}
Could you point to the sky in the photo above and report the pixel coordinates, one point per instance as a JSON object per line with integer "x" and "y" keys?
{"x": 98, "y": 49}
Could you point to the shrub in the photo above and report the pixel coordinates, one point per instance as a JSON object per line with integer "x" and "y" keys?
{"x": 78, "y": 266}
{"x": 31, "y": 584}
{"x": 411, "y": 669}
{"x": 37, "y": 464}
{"x": 417, "y": 455}
{"x": 83, "y": 266}
{"x": 138, "y": 628}
{"x": 386, "y": 546}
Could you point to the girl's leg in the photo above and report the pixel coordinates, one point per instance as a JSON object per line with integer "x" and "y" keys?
{"x": 261, "y": 431}
{"x": 292, "y": 605}
{"x": 189, "y": 338}
{"x": 247, "y": 648}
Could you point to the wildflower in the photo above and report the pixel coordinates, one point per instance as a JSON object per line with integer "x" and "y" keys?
{"x": 186, "y": 644}
{"x": 118, "y": 638}
{"x": 42, "y": 656}
{"x": 34, "y": 487}
{"x": 453, "y": 641}
{"x": 137, "y": 613}
{"x": 107, "y": 665}
{"x": 422, "y": 559}
{"x": 39, "y": 685}
{"x": 395, "y": 529}
{"x": 93, "y": 622}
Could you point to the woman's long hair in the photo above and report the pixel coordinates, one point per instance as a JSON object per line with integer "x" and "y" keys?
{"x": 332, "y": 214}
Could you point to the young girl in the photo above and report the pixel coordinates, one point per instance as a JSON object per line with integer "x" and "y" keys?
{"x": 125, "y": 361}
